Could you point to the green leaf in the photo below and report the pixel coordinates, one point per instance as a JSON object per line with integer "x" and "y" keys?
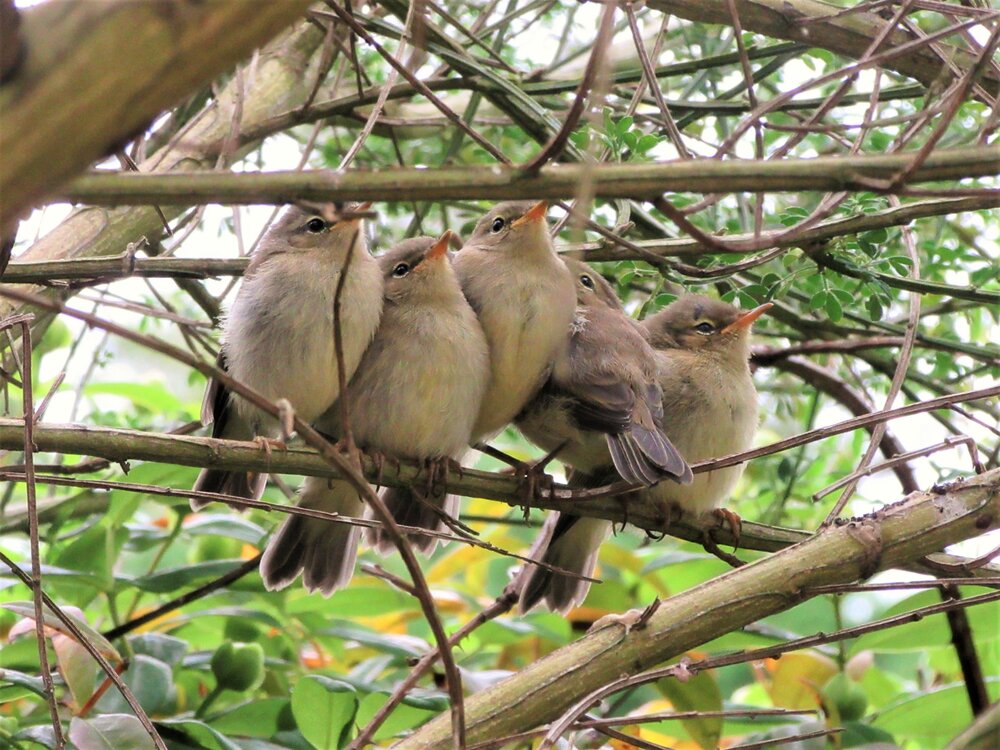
{"x": 699, "y": 693}
{"x": 166, "y": 648}
{"x": 109, "y": 732}
{"x": 934, "y": 717}
{"x": 404, "y": 717}
{"x": 234, "y": 527}
{"x": 152, "y": 682}
{"x": 27, "y": 609}
{"x": 833, "y": 309}
{"x": 646, "y": 143}
{"x": 252, "y": 719}
{"x": 324, "y": 710}
{"x": 171, "y": 579}
{"x": 818, "y": 300}
{"x": 200, "y": 735}
{"x": 22, "y": 680}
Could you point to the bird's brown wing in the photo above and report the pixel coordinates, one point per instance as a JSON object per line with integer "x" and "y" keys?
{"x": 601, "y": 403}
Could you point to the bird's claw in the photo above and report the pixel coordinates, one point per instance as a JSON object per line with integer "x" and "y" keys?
{"x": 267, "y": 444}
{"x": 733, "y": 521}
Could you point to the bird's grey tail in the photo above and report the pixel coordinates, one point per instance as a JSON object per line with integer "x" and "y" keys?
{"x": 412, "y": 508}
{"x": 568, "y": 542}
{"x": 644, "y": 456}
{"x": 246, "y": 484}
{"x": 217, "y": 409}
{"x": 323, "y": 551}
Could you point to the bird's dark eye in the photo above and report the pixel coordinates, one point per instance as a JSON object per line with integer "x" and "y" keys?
{"x": 401, "y": 270}
{"x": 497, "y": 225}
{"x": 705, "y": 328}
{"x": 315, "y": 225}
{"x": 587, "y": 281}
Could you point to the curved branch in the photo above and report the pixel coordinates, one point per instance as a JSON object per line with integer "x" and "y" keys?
{"x": 897, "y": 535}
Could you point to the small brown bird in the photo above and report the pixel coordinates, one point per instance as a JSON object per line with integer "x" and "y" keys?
{"x": 709, "y": 400}
{"x": 601, "y": 412}
{"x": 523, "y": 295}
{"x": 416, "y": 394}
{"x": 279, "y": 333}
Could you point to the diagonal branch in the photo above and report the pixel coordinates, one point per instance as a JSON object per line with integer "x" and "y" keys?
{"x": 894, "y": 536}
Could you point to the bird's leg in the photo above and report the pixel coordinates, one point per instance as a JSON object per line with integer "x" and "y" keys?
{"x": 672, "y": 512}
{"x": 533, "y": 476}
{"x": 729, "y": 518}
{"x": 438, "y": 470}
{"x": 379, "y": 459}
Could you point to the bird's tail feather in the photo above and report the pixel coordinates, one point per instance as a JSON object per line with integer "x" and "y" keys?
{"x": 568, "y": 542}
{"x": 323, "y": 551}
{"x": 644, "y": 456}
{"x": 409, "y": 508}
{"x": 247, "y": 484}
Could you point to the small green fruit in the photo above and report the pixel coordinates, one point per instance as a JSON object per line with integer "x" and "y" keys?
{"x": 848, "y": 696}
{"x": 238, "y": 666}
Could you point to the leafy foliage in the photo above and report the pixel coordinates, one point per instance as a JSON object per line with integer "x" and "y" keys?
{"x": 244, "y": 668}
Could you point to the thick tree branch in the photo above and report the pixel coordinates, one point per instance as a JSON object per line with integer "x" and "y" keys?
{"x": 645, "y": 180}
{"x": 899, "y": 534}
{"x": 281, "y": 82}
{"x": 150, "y": 55}
{"x": 822, "y": 25}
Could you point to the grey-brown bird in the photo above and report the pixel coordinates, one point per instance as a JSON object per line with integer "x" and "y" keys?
{"x": 709, "y": 400}
{"x": 279, "y": 334}
{"x": 601, "y": 411}
{"x": 523, "y": 295}
{"x": 416, "y": 394}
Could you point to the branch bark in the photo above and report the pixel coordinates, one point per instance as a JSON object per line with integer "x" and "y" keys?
{"x": 95, "y": 74}
{"x": 818, "y": 24}
{"x": 648, "y": 180}
{"x": 897, "y": 535}
{"x": 281, "y": 82}
{"x": 119, "y": 445}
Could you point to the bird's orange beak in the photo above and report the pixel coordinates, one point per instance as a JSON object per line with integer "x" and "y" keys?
{"x": 440, "y": 248}
{"x": 538, "y": 212}
{"x": 747, "y": 318}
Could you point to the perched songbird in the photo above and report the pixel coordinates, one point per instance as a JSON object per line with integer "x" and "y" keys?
{"x": 523, "y": 294}
{"x": 279, "y": 333}
{"x": 416, "y": 394}
{"x": 601, "y": 413}
{"x": 709, "y": 400}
